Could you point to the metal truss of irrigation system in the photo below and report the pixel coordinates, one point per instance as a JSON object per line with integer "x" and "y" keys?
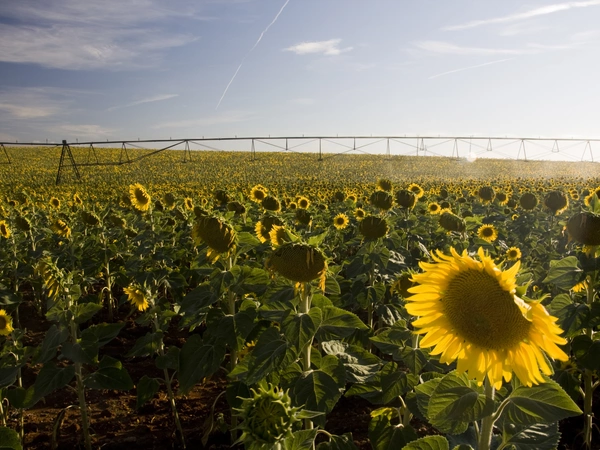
{"x": 413, "y": 145}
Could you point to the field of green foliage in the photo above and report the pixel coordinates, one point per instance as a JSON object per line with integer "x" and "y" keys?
{"x": 457, "y": 298}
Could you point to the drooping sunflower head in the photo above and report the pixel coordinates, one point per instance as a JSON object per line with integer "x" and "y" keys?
{"x": 23, "y": 223}
{"x": 188, "y": 204}
{"x": 303, "y": 216}
{"x": 137, "y": 297}
{"x": 298, "y": 262}
{"x": 169, "y": 200}
{"x": 55, "y": 203}
{"x": 339, "y": 196}
{"x": 382, "y": 200}
{"x": 406, "y": 199}
{"x": 468, "y": 309}
{"x": 340, "y": 221}
{"x": 5, "y": 323}
{"x": 89, "y": 218}
{"x": 383, "y": 184}
{"x": 373, "y": 228}
{"x": 222, "y": 197}
{"x": 451, "y": 222}
{"x": 258, "y": 193}
{"x": 218, "y": 235}
{"x": 360, "y": 214}
{"x": 584, "y": 227}
{"x": 77, "y": 200}
{"x": 513, "y": 254}
{"x": 556, "y": 202}
{"x": 271, "y": 203}
{"x": 139, "y": 197}
{"x": 4, "y": 229}
{"x": 486, "y": 194}
{"x": 487, "y": 233}
{"x": 61, "y": 228}
{"x": 279, "y": 235}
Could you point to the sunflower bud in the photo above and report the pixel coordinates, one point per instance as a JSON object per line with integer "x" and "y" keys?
{"x": 584, "y": 227}
{"x": 268, "y": 417}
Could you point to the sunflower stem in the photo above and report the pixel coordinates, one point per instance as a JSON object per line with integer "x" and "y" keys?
{"x": 85, "y": 425}
{"x": 487, "y": 423}
{"x": 305, "y": 300}
{"x": 588, "y": 381}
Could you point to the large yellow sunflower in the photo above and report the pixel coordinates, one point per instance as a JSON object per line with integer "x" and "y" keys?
{"x": 470, "y": 312}
{"x": 340, "y": 221}
{"x": 139, "y": 197}
{"x": 4, "y": 229}
{"x": 5, "y": 323}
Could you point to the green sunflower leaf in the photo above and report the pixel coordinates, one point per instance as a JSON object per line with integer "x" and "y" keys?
{"x": 539, "y": 404}
{"x": 9, "y": 439}
{"x": 540, "y": 437}
{"x": 428, "y": 443}
{"x": 564, "y": 273}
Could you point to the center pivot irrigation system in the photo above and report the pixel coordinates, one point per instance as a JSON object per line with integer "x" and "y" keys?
{"x": 457, "y": 147}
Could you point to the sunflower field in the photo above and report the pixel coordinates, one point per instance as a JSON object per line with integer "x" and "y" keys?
{"x": 282, "y": 302}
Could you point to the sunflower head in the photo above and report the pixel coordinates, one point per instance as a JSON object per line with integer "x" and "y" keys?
{"x": 486, "y": 194}
{"x": 218, "y": 235}
{"x": 416, "y": 189}
{"x": 303, "y": 202}
{"x": 55, "y": 203}
{"x": 222, "y": 197}
{"x": 139, "y": 197}
{"x": 89, "y": 218}
{"x": 360, "y": 214}
{"x": 265, "y": 225}
{"x": 4, "y": 229}
{"x": 5, "y": 323}
{"x": 434, "y": 208}
{"x": 77, "y": 200}
{"x": 468, "y": 310}
{"x": 279, "y": 235}
{"x": 339, "y": 196}
{"x": 383, "y": 184}
{"x": 502, "y": 198}
{"x": 406, "y": 199}
{"x": 513, "y": 254}
{"x": 373, "y": 228}
{"x": 61, "y": 228}
{"x": 298, "y": 262}
{"x": 303, "y": 216}
{"x": 169, "y": 200}
{"x": 382, "y": 200}
{"x": 556, "y": 201}
{"x": 340, "y": 221}
{"x": 258, "y": 193}
{"x": 271, "y": 203}
{"x": 451, "y": 222}
{"x": 487, "y": 233}
{"x": 188, "y": 204}
{"x": 137, "y": 297}
{"x": 584, "y": 227}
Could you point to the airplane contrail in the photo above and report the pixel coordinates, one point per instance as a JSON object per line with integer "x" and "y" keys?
{"x": 468, "y": 68}
{"x": 250, "y": 51}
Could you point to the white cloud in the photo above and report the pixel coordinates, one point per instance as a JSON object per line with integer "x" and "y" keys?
{"x": 155, "y": 98}
{"x": 452, "y": 49}
{"x": 70, "y": 34}
{"x": 32, "y": 103}
{"x": 544, "y": 10}
{"x": 329, "y": 48}
{"x": 523, "y": 28}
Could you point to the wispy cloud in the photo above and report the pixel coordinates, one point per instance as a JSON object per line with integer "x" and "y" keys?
{"x": 155, "y": 98}
{"x": 469, "y": 68}
{"x": 453, "y": 49}
{"x": 329, "y": 48}
{"x": 34, "y": 103}
{"x": 84, "y": 131}
{"x": 69, "y": 34}
{"x": 250, "y": 51}
{"x": 542, "y": 11}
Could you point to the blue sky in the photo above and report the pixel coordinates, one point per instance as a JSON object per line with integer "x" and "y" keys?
{"x": 150, "y": 69}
